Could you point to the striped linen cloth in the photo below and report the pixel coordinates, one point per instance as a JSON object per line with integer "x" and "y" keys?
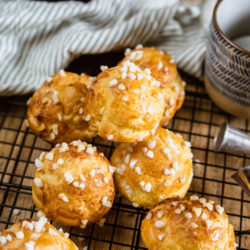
{"x": 39, "y": 38}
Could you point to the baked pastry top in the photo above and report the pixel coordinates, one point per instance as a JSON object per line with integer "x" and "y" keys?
{"x": 126, "y": 103}
{"x": 154, "y": 169}
{"x": 123, "y": 104}
{"x": 57, "y": 110}
{"x": 31, "y": 234}
{"x": 163, "y": 69}
{"x": 187, "y": 224}
{"x": 73, "y": 184}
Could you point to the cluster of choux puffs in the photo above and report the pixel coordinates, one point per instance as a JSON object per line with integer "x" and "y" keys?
{"x": 125, "y": 103}
{"x": 152, "y": 167}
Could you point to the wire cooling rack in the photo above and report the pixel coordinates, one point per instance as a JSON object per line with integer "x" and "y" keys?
{"x": 198, "y": 121}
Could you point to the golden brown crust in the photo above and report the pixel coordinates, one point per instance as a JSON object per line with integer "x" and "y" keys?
{"x": 174, "y": 95}
{"x": 187, "y": 224}
{"x": 163, "y": 69}
{"x": 126, "y": 103}
{"x": 231, "y": 237}
{"x": 157, "y": 168}
{"x": 26, "y": 232}
{"x": 57, "y": 112}
{"x": 73, "y": 184}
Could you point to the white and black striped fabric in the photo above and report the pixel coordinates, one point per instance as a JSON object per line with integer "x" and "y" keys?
{"x": 39, "y": 38}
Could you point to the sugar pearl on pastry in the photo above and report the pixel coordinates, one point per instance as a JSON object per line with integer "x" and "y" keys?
{"x": 49, "y": 156}
{"x": 160, "y": 65}
{"x": 62, "y": 72}
{"x": 38, "y": 164}
{"x": 152, "y": 144}
{"x": 193, "y": 225}
{"x": 174, "y": 203}
{"x": 160, "y": 214}
{"x": 148, "y": 71}
{"x": 188, "y": 144}
{"x": 139, "y": 76}
{"x": 20, "y": 234}
{"x": 135, "y": 204}
{"x": 55, "y": 97}
{"x": 49, "y": 79}
{"x": 113, "y": 83}
{"x": 167, "y": 183}
{"x": 203, "y": 216}
{"x": 156, "y": 83}
{"x": 45, "y": 100}
{"x": 68, "y": 177}
{"x": 90, "y": 150}
{"x": 125, "y": 98}
{"x": 103, "y": 67}
{"x": 63, "y": 197}
{"x": 127, "y": 51}
{"x": 194, "y": 197}
{"x": 64, "y": 147}
{"x": 59, "y": 116}
{"x": 160, "y": 236}
{"x": 177, "y": 211}
{"x": 139, "y": 46}
{"x": 150, "y": 154}
{"x": 121, "y": 87}
{"x": 188, "y": 215}
{"x": 166, "y": 151}
{"x": 84, "y": 223}
{"x": 92, "y": 173}
{"x": 197, "y": 211}
{"x": 160, "y": 224}
{"x": 219, "y": 209}
{"x": 131, "y": 76}
{"x": 149, "y": 216}
{"x": 105, "y": 202}
{"x": 142, "y": 183}
{"x": 52, "y": 136}
{"x": 80, "y": 111}
{"x": 127, "y": 158}
{"x": 138, "y": 170}
{"x": 132, "y": 163}
{"x": 38, "y": 182}
{"x": 147, "y": 187}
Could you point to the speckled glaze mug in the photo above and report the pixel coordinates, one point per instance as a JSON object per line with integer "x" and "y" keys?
{"x": 227, "y": 65}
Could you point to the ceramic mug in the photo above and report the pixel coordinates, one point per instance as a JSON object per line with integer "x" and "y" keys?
{"x": 227, "y": 65}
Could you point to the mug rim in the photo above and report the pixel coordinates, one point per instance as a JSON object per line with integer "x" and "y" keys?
{"x": 222, "y": 33}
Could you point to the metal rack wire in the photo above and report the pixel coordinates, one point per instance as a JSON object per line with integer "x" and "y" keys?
{"x": 198, "y": 121}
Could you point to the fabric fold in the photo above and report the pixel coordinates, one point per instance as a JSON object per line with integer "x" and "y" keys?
{"x": 37, "y": 39}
